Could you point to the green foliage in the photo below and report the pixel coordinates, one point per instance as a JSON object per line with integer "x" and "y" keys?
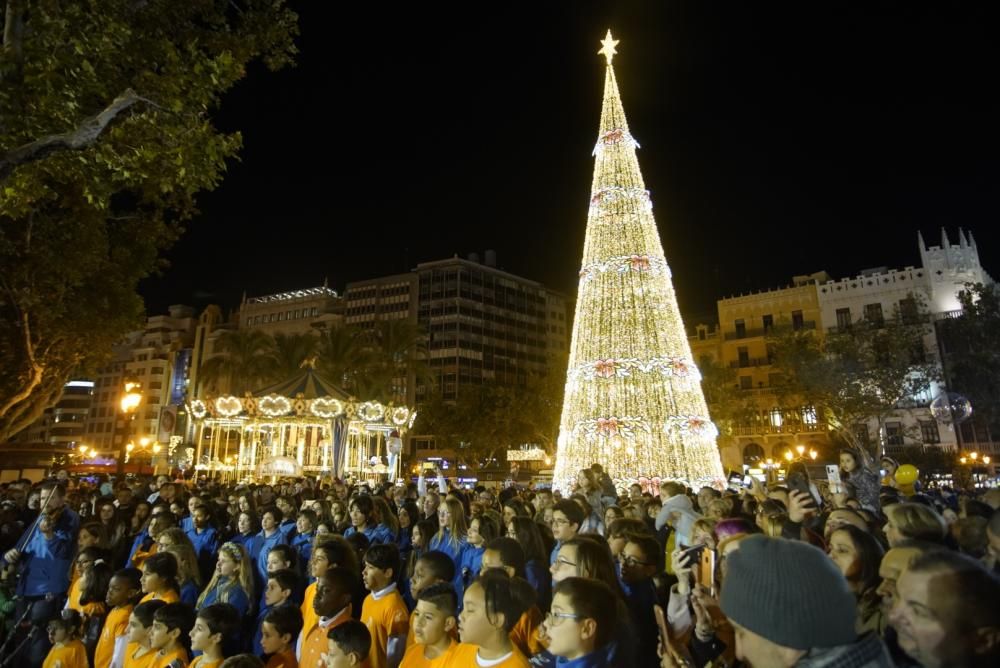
{"x": 972, "y": 351}
{"x": 244, "y": 360}
{"x": 487, "y": 420}
{"x": 859, "y": 373}
{"x": 105, "y": 140}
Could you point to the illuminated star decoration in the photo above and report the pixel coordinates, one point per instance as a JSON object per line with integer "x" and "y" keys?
{"x": 608, "y": 48}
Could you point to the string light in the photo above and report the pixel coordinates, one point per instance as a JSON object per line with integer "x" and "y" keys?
{"x": 633, "y": 400}
{"x": 274, "y": 405}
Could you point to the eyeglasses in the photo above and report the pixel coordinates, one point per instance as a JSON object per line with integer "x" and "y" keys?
{"x": 564, "y": 562}
{"x": 552, "y": 616}
{"x": 629, "y": 560}
{"x": 560, "y": 520}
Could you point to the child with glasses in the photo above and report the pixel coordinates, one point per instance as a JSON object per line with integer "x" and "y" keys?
{"x": 581, "y": 624}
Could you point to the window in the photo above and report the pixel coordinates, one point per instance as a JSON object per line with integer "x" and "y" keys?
{"x": 843, "y": 318}
{"x": 873, "y": 314}
{"x": 741, "y": 329}
{"x": 809, "y": 415}
{"x": 929, "y": 431}
{"x": 701, "y": 334}
{"x": 776, "y": 418}
{"x": 894, "y": 433}
{"x": 908, "y": 310}
{"x": 746, "y": 382}
{"x": 744, "y": 354}
{"x": 768, "y": 321}
{"x": 797, "y": 320}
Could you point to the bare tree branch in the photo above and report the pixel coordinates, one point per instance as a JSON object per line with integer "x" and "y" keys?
{"x": 79, "y": 138}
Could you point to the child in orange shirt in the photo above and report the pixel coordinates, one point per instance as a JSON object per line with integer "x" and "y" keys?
{"x": 492, "y": 606}
{"x": 506, "y": 554}
{"x": 384, "y": 612}
{"x": 281, "y": 626}
{"x": 138, "y": 653}
{"x": 348, "y": 645}
{"x": 123, "y": 593}
{"x": 67, "y": 648}
{"x": 432, "y": 626}
{"x": 169, "y": 635}
{"x": 431, "y": 568}
{"x": 214, "y": 626}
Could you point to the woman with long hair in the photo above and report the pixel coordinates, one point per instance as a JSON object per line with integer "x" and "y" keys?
{"x": 387, "y": 521}
{"x": 408, "y": 517}
{"x": 858, "y": 555}
{"x": 117, "y": 529}
{"x": 174, "y": 541}
{"x": 452, "y": 535}
{"x": 232, "y": 581}
{"x": 590, "y": 487}
{"x": 525, "y": 531}
{"x": 247, "y": 527}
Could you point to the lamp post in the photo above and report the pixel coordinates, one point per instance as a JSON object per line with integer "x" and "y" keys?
{"x": 130, "y": 400}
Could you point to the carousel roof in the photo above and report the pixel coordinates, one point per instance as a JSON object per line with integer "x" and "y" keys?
{"x": 309, "y": 384}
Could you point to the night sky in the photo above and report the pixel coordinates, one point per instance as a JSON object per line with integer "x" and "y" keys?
{"x": 777, "y": 139}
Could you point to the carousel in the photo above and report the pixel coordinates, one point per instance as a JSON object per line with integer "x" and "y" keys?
{"x": 303, "y": 426}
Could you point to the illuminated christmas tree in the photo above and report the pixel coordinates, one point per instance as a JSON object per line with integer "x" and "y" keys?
{"x": 633, "y": 399}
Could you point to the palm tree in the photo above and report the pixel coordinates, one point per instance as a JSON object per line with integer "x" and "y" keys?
{"x": 341, "y": 356}
{"x": 243, "y": 360}
{"x": 289, "y": 353}
{"x": 398, "y": 350}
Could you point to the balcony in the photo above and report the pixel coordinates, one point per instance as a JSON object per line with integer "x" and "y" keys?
{"x": 764, "y": 331}
{"x": 751, "y": 362}
{"x": 795, "y": 428}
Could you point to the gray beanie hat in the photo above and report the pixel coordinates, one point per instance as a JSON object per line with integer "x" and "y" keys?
{"x": 790, "y": 593}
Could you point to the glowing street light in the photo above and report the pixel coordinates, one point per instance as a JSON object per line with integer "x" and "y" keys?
{"x": 129, "y": 402}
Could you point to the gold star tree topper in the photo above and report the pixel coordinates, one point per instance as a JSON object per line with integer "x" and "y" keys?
{"x": 608, "y": 48}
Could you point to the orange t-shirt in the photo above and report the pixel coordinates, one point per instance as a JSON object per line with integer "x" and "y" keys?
{"x": 71, "y": 655}
{"x": 283, "y": 660}
{"x": 464, "y": 656}
{"x": 163, "y": 660}
{"x": 169, "y": 596}
{"x": 385, "y": 616}
{"x": 140, "y": 557}
{"x": 202, "y": 662}
{"x": 115, "y": 626}
{"x": 315, "y": 644}
{"x": 309, "y": 616}
{"x": 144, "y": 661}
{"x": 525, "y": 633}
{"x": 414, "y": 657}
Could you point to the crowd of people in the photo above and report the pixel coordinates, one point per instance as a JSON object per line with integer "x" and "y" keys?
{"x": 151, "y": 573}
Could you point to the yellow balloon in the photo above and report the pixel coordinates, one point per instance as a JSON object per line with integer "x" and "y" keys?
{"x": 907, "y": 474}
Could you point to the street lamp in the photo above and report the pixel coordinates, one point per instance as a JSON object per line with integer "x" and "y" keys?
{"x": 130, "y": 400}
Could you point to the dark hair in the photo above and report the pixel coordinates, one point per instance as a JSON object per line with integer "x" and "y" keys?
{"x": 597, "y": 468}
{"x": 488, "y": 528}
{"x": 177, "y": 616}
{"x": 144, "y": 612}
{"x": 340, "y": 551}
{"x": 505, "y": 595}
{"x": 358, "y": 541}
{"x": 273, "y": 512}
{"x": 343, "y": 579}
{"x": 310, "y": 515}
{"x": 511, "y": 553}
{"x": 442, "y": 596}
{"x": 572, "y": 511}
{"x": 252, "y": 516}
{"x": 517, "y": 506}
{"x": 287, "y": 579}
{"x": 134, "y": 578}
{"x": 869, "y": 556}
{"x": 976, "y": 588}
{"x": 626, "y": 526}
{"x": 364, "y": 503}
{"x": 220, "y": 618}
{"x": 287, "y": 553}
{"x": 70, "y": 621}
{"x": 96, "y": 588}
{"x": 384, "y": 556}
{"x": 164, "y": 565}
{"x": 285, "y": 619}
{"x": 427, "y": 530}
{"x": 352, "y": 637}
{"x": 441, "y": 566}
{"x": 411, "y": 509}
{"x": 651, "y": 550}
{"x": 594, "y": 560}
{"x": 592, "y": 599}
{"x": 527, "y": 534}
